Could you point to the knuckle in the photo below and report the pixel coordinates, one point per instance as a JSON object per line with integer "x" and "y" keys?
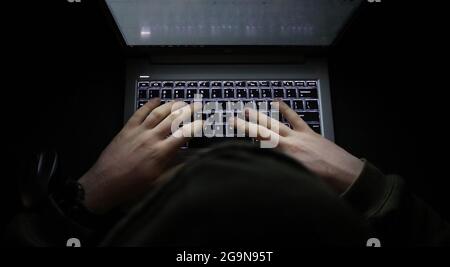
{"x": 150, "y": 142}
{"x": 158, "y": 115}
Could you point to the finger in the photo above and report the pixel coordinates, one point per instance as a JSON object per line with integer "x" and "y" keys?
{"x": 268, "y": 138}
{"x": 159, "y": 114}
{"x": 267, "y": 122}
{"x": 182, "y": 135}
{"x": 298, "y": 124}
{"x": 142, "y": 113}
{"x": 179, "y": 115}
{"x": 253, "y": 129}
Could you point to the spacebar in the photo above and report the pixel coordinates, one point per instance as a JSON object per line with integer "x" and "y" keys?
{"x": 203, "y": 142}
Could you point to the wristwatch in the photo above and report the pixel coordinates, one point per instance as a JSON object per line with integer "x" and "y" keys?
{"x": 69, "y": 198}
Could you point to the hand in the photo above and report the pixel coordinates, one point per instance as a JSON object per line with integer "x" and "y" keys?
{"x": 337, "y": 167}
{"x": 136, "y": 157}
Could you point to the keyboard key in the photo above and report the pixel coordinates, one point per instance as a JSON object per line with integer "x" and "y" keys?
{"x": 228, "y": 84}
{"x": 264, "y": 83}
{"x": 288, "y": 102}
{"x": 168, "y": 85}
{"x": 316, "y": 128}
{"x": 262, "y": 105}
{"x": 252, "y": 84}
{"x": 141, "y": 103}
{"x": 204, "y": 116}
{"x": 142, "y": 94}
{"x": 166, "y": 94}
{"x": 153, "y": 93}
{"x": 276, "y": 84}
{"x": 311, "y": 84}
{"x": 155, "y": 84}
{"x": 216, "y": 84}
{"x": 308, "y": 93}
{"x": 198, "y": 115}
{"x": 190, "y": 93}
{"x": 222, "y": 105}
{"x": 312, "y": 104}
{"x": 250, "y": 104}
{"x": 229, "y": 130}
{"x": 204, "y": 84}
{"x": 204, "y": 93}
{"x": 228, "y": 93}
{"x": 241, "y": 93}
{"x": 143, "y": 84}
{"x": 241, "y": 84}
{"x": 298, "y": 104}
{"x": 192, "y": 84}
{"x": 309, "y": 116}
{"x": 180, "y": 84}
{"x": 178, "y": 93}
{"x": 278, "y": 93}
{"x": 266, "y": 93}
{"x": 291, "y": 93}
{"x": 300, "y": 84}
{"x": 209, "y": 105}
{"x": 216, "y": 93}
{"x": 219, "y": 130}
{"x": 235, "y": 106}
{"x": 253, "y": 93}
{"x": 288, "y": 84}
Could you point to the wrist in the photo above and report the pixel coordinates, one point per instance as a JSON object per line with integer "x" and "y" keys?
{"x": 343, "y": 179}
{"x": 353, "y": 171}
{"x": 68, "y": 198}
{"x": 95, "y": 199}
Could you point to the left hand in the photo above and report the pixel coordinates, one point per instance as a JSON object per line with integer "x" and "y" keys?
{"x": 137, "y": 156}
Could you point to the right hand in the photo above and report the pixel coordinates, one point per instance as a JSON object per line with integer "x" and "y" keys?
{"x": 333, "y": 164}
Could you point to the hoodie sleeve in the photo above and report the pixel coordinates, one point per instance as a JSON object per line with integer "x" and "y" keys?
{"x": 398, "y": 217}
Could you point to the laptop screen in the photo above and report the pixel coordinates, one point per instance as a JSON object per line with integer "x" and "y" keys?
{"x": 231, "y": 22}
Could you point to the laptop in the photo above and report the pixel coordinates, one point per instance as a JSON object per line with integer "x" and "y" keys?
{"x": 246, "y": 51}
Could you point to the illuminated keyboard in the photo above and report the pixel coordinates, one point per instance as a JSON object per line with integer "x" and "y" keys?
{"x": 301, "y": 95}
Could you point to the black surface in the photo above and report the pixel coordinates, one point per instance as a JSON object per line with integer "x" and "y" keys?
{"x": 65, "y": 75}
{"x": 388, "y": 65}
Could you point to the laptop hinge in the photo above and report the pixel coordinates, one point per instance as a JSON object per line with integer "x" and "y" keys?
{"x": 228, "y": 59}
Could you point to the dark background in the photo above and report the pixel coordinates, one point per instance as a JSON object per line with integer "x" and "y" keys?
{"x": 64, "y": 86}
